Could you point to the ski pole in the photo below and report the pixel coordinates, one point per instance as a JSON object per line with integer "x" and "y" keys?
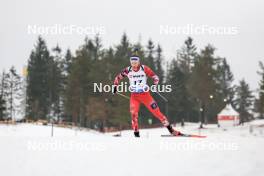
{"x": 124, "y": 96}
{"x": 165, "y": 99}
{"x": 166, "y": 102}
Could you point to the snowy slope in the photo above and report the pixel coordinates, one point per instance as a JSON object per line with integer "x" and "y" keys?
{"x": 29, "y": 150}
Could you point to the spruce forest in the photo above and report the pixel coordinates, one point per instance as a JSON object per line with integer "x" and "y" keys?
{"x": 59, "y": 85}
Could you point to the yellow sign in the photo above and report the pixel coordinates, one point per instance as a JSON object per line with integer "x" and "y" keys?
{"x": 25, "y": 71}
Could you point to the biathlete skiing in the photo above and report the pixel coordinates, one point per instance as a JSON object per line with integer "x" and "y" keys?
{"x": 140, "y": 94}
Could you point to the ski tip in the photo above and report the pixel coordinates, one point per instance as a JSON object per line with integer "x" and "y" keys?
{"x": 198, "y": 136}
{"x": 184, "y": 135}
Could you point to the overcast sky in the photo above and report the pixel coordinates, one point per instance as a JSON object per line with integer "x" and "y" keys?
{"x": 241, "y": 20}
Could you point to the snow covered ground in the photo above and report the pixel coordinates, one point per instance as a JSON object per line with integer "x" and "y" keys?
{"x": 29, "y": 150}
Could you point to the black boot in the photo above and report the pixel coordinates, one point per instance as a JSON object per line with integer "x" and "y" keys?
{"x": 169, "y": 127}
{"x": 172, "y": 131}
{"x": 136, "y": 133}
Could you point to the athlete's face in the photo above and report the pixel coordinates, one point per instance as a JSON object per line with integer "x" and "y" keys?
{"x": 134, "y": 63}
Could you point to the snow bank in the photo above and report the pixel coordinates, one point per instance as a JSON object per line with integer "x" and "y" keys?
{"x": 29, "y": 150}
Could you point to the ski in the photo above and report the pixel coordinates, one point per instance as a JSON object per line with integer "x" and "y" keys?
{"x": 183, "y": 135}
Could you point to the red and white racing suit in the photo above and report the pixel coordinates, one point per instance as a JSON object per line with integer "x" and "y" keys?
{"x": 138, "y": 83}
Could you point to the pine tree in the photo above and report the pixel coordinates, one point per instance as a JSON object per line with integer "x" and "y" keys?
{"x": 66, "y": 71}
{"x": 158, "y": 64}
{"x": 38, "y": 89}
{"x": 68, "y": 62}
{"x": 259, "y": 102}
{"x": 123, "y": 50}
{"x": 79, "y": 84}
{"x": 185, "y": 59}
{"x": 13, "y": 93}
{"x": 243, "y": 101}
{"x": 2, "y": 107}
{"x": 179, "y": 101}
{"x": 202, "y": 83}
{"x": 187, "y": 55}
{"x": 3, "y": 96}
{"x": 56, "y": 84}
{"x": 150, "y": 56}
{"x": 225, "y": 78}
{"x": 97, "y": 47}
